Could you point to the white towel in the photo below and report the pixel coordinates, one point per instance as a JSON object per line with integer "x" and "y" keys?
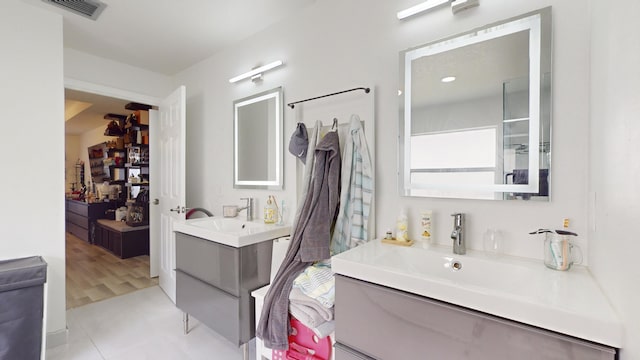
{"x": 309, "y": 311}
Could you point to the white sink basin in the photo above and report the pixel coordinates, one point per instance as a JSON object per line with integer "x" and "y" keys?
{"x": 519, "y": 289}
{"x": 235, "y": 232}
{"x": 455, "y": 270}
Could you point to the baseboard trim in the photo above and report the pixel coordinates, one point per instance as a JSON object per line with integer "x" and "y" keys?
{"x": 57, "y": 338}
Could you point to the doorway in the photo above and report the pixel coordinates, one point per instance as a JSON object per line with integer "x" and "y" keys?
{"x": 94, "y": 273}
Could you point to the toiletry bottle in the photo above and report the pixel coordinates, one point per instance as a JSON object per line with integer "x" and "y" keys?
{"x": 402, "y": 225}
{"x": 426, "y": 221}
{"x": 281, "y": 214}
{"x": 270, "y": 211}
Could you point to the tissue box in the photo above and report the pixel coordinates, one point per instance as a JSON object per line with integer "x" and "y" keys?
{"x": 229, "y": 210}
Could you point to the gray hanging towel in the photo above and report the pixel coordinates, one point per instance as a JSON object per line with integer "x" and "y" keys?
{"x": 309, "y": 242}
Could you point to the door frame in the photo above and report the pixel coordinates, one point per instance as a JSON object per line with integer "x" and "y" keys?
{"x": 93, "y": 88}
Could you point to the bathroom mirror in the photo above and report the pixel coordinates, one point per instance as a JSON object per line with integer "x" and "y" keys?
{"x": 257, "y": 141}
{"x": 475, "y": 114}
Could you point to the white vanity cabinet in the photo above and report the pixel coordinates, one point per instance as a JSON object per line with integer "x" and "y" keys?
{"x": 377, "y": 322}
{"x": 214, "y": 281}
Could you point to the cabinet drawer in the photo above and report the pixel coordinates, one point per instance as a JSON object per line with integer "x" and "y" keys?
{"x": 78, "y": 208}
{"x": 345, "y": 353}
{"x": 214, "y": 308}
{"x": 78, "y": 231}
{"x": 79, "y": 220}
{"x": 371, "y": 317}
{"x": 213, "y": 263}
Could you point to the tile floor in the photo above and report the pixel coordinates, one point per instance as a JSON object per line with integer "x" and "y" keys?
{"x": 143, "y": 324}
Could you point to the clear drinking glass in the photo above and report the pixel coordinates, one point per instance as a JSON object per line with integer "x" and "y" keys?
{"x": 492, "y": 242}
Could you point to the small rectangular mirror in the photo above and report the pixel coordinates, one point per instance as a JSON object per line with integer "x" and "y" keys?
{"x": 257, "y": 141}
{"x": 475, "y": 114}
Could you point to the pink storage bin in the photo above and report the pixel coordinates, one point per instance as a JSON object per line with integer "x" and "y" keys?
{"x": 304, "y": 345}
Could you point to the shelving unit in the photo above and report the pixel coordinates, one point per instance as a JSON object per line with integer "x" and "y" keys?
{"x": 126, "y": 157}
{"x": 97, "y": 155}
{"x": 137, "y": 168}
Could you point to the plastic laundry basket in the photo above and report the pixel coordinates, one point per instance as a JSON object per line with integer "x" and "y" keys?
{"x": 304, "y": 345}
{"x": 21, "y": 307}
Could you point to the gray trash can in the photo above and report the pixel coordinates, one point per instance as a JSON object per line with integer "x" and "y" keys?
{"x": 21, "y": 307}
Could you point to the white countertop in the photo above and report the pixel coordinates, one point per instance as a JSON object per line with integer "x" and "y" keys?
{"x": 524, "y": 290}
{"x": 234, "y": 232}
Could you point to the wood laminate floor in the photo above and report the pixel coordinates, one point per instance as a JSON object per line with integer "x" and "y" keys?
{"x": 94, "y": 274}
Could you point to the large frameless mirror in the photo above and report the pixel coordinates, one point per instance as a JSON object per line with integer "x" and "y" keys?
{"x": 257, "y": 141}
{"x": 475, "y": 113}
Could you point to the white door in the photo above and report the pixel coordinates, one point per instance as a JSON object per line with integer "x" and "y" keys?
{"x": 167, "y": 175}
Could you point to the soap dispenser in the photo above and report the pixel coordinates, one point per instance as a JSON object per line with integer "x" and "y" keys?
{"x": 270, "y": 211}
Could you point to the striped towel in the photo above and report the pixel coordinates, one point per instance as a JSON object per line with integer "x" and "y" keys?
{"x": 317, "y": 282}
{"x": 357, "y": 192}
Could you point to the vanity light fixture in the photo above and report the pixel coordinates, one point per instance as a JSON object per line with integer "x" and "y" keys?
{"x": 427, "y": 5}
{"x": 448, "y": 79}
{"x": 456, "y": 6}
{"x": 459, "y": 5}
{"x": 256, "y": 74}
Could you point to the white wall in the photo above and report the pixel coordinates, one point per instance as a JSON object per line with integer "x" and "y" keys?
{"x": 32, "y": 191}
{"x": 99, "y": 71}
{"x": 614, "y": 152}
{"x": 335, "y": 45}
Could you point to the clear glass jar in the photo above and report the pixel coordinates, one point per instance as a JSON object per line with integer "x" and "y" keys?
{"x": 560, "y": 253}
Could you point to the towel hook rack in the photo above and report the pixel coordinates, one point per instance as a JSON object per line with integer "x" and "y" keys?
{"x": 366, "y": 90}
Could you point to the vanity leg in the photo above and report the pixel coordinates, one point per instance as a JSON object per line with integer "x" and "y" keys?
{"x": 185, "y": 323}
{"x": 245, "y": 351}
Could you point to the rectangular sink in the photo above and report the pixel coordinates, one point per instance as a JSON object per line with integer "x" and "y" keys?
{"x": 520, "y": 289}
{"x": 440, "y": 265}
{"x": 235, "y": 232}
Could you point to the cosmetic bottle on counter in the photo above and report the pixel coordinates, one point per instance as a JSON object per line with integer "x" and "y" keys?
{"x": 402, "y": 227}
{"x": 426, "y": 220}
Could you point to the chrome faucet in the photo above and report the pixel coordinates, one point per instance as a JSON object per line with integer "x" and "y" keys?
{"x": 249, "y": 208}
{"x": 457, "y": 234}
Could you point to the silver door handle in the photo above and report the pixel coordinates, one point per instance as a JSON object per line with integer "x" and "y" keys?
{"x": 177, "y": 209}
{"x": 156, "y": 201}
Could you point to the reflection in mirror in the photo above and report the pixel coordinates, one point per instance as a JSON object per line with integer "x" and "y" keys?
{"x": 257, "y": 144}
{"x": 475, "y": 114}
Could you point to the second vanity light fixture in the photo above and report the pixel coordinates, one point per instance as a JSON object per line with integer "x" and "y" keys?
{"x": 256, "y": 74}
{"x": 456, "y": 6}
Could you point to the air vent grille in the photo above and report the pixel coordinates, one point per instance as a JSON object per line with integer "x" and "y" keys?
{"x": 86, "y": 8}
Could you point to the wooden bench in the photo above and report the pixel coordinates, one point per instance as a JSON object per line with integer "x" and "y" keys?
{"x": 121, "y": 239}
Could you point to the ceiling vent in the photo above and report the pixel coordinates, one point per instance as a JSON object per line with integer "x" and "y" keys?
{"x": 87, "y": 8}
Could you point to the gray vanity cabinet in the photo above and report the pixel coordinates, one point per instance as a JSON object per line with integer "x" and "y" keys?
{"x": 376, "y": 322}
{"x": 214, "y": 282}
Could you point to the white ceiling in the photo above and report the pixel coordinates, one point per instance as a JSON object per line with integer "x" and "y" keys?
{"x": 167, "y": 36}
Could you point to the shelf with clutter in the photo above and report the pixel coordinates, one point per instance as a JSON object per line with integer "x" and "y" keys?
{"x": 126, "y": 158}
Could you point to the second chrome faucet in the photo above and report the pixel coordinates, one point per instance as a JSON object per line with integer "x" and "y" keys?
{"x": 457, "y": 235}
{"x": 249, "y": 208}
